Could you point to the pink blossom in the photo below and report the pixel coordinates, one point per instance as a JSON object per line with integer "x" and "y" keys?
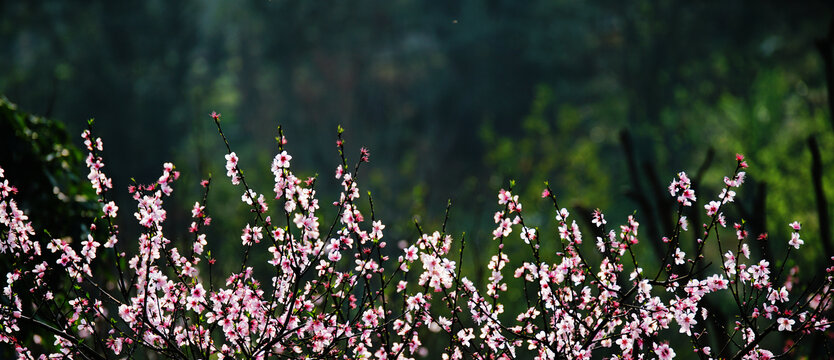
{"x": 785, "y": 324}
{"x": 411, "y": 253}
{"x": 110, "y": 209}
{"x": 664, "y": 352}
{"x": 504, "y": 197}
{"x": 795, "y": 241}
{"x": 712, "y": 207}
{"x": 686, "y": 320}
{"x": 197, "y": 210}
{"x": 598, "y": 218}
{"x": 681, "y": 188}
{"x": 281, "y": 160}
{"x": 679, "y": 257}
{"x": 528, "y": 234}
{"x": 377, "y": 229}
{"x": 727, "y": 196}
{"x": 314, "y": 305}
{"x": 231, "y": 168}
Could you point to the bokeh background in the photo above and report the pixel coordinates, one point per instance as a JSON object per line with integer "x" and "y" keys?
{"x": 606, "y": 100}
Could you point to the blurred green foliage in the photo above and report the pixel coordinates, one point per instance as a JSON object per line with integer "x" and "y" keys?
{"x": 45, "y": 166}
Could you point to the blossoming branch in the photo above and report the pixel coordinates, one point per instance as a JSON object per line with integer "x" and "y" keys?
{"x": 337, "y": 290}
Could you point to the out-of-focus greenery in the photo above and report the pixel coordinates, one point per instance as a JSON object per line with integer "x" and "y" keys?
{"x": 452, "y": 98}
{"x": 771, "y": 126}
{"x": 42, "y": 162}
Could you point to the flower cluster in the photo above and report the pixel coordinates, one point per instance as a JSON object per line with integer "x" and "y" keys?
{"x": 339, "y": 291}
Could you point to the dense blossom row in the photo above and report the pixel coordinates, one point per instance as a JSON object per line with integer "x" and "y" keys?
{"x": 339, "y": 291}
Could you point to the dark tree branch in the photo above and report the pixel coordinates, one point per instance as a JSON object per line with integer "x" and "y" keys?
{"x": 665, "y": 210}
{"x": 824, "y": 46}
{"x": 638, "y": 194}
{"x": 819, "y": 193}
{"x": 760, "y": 220}
{"x": 83, "y": 349}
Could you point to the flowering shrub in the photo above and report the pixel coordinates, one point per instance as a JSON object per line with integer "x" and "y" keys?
{"x": 337, "y": 290}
